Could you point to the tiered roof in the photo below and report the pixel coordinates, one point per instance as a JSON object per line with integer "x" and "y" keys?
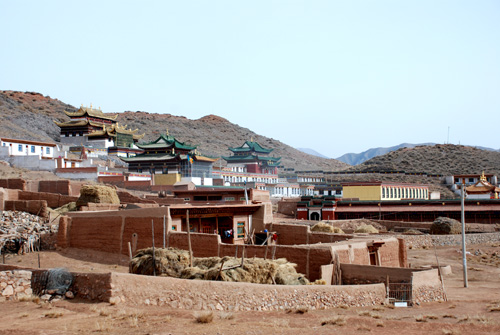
{"x": 91, "y": 112}
{"x": 166, "y": 142}
{"x": 252, "y": 151}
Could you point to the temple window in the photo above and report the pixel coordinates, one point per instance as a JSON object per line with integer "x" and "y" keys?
{"x": 47, "y": 150}
{"x": 20, "y": 148}
{"x": 32, "y": 149}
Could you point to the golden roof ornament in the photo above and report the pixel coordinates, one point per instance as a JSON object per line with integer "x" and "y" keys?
{"x": 483, "y": 177}
{"x": 251, "y": 139}
{"x": 167, "y": 132}
{"x": 173, "y": 151}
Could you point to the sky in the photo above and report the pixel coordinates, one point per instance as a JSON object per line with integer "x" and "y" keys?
{"x": 333, "y": 76}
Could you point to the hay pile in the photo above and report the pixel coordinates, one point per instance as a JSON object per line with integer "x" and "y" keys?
{"x": 326, "y": 228}
{"x": 173, "y": 262}
{"x": 445, "y": 226}
{"x": 366, "y": 229}
{"x": 97, "y": 194}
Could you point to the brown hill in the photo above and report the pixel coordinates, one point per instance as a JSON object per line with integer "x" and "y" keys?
{"x": 29, "y": 115}
{"x": 445, "y": 159}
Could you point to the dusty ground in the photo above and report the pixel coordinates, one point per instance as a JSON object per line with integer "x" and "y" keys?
{"x": 472, "y": 310}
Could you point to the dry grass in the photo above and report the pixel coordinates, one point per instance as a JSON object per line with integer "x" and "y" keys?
{"x": 420, "y": 318}
{"x": 450, "y": 332}
{"x": 335, "y": 321}
{"x": 344, "y": 306}
{"x": 431, "y": 317}
{"x": 378, "y": 309}
{"x": 53, "y": 315}
{"x": 370, "y": 314}
{"x": 24, "y": 315}
{"x": 364, "y": 329}
{"x": 226, "y": 316}
{"x": 298, "y": 310}
{"x": 204, "y": 317}
{"x": 449, "y": 316}
{"x": 30, "y": 298}
{"x": 380, "y": 324}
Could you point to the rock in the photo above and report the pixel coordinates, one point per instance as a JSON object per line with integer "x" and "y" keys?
{"x": 8, "y": 291}
{"x": 46, "y": 297}
{"x": 445, "y": 226}
{"x": 69, "y": 295}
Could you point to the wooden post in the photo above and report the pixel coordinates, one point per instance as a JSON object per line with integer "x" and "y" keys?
{"x": 38, "y": 259}
{"x": 153, "y": 235}
{"x": 189, "y": 240}
{"x": 164, "y": 231}
{"x": 236, "y": 254}
{"x": 220, "y": 270}
{"x": 274, "y": 251}
{"x": 243, "y": 255}
{"x": 267, "y": 245}
{"x": 130, "y": 250}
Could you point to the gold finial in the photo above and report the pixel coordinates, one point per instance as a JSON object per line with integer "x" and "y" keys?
{"x": 167, "y": 132}
{"x": 90, "y": 105}
{"x": 173, "y": 151}
{"x": 251, "y": 139}
{"x": 483, "y": 177}
{"x": 104, "y": 127}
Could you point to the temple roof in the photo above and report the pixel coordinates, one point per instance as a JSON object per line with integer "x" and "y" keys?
{"x": 249, "y": 146}
{"x": 166, "y": 142}
{"x": 481, "y": 187}
{"x": 113, "y": 130}
{"x": 271, "y": 161}
{"x": 166, "y": 157}
{"x": 77, "y": 123}
{"x": 92, "y": 112}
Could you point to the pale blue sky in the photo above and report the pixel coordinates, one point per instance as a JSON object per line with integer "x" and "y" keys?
{"x": 334, "y": 76}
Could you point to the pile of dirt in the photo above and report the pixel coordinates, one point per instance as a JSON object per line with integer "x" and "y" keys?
{"x": 173, "y": 262}
{"x": 326, "y": 228}
{"x": 369, "y": 229}
{"x": 446, "y": 226}
{"x": 97, "y": 194}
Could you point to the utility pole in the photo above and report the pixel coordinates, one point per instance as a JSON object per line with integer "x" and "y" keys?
{"x": 464, "y": 257}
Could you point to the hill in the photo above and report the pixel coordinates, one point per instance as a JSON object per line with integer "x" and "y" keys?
{"x": 30, "y": 115}
{"x": 446, "y": 159}
{"x": 355, "y": 159}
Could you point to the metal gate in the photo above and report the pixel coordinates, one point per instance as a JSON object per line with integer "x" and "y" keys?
{"x": 400, "y": 292}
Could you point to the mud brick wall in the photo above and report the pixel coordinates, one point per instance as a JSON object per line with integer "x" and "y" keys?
{"x": 13, "y": 183}
{"x": 15, "y": 284}
{"x": 92, "y": 207}
{"x": 290, "y": 234}
{"x": 389, "y": 253}
{"x": 55, "y": 186}
{"x": 53, "y": 200}
{"x": 203, "y": 245}
{"x": 287, "y": 207}
{"x": 37, "y": 207}
{"x": 355, "y": 274}
{"x": 229, "y": 296}
{"x": 127, "y": 198}
{"x": 103, "y": 234}
{"x": 142, "y": 227}
{"x": 426, "y": 286}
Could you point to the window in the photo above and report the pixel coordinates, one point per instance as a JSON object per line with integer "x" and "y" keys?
{"x": 20, "y": 148}
{"x": 187, "y": 199}
{"x": 229, "y": 199}
{"x": 33, "y": 149}
{"x": 3, "y": 144}
{"x": 47, "y": 150}
{"x": 243, "y": 199}
{"x": 241, "y": 229}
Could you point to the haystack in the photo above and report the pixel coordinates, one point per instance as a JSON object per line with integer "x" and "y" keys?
{"x": 175, "y": 263}
{"x": 366, "y": 229}
{"x": 97, "y": 194}
{"x": 446, "y": 226}
{"x": 326, "y": 228}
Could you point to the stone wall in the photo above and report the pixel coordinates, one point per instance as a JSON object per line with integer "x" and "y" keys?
{"x": 14, "y": 284}
{"x": 427, "y": 241}
{"x": 229, "y": 296}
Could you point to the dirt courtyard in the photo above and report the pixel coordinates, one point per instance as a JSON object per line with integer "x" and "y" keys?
{"x": 472, "y": 310}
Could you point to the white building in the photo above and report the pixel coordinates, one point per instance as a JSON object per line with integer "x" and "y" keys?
{"x": 29, "y": 148}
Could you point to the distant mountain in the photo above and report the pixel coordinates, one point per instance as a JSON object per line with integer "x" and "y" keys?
{"x": 355, "y": 159}
{"x": 312, "y": 152}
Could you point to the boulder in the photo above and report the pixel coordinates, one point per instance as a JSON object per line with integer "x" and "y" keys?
{"x": 445, "y": 226}
{"x": 97, "y": 194}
